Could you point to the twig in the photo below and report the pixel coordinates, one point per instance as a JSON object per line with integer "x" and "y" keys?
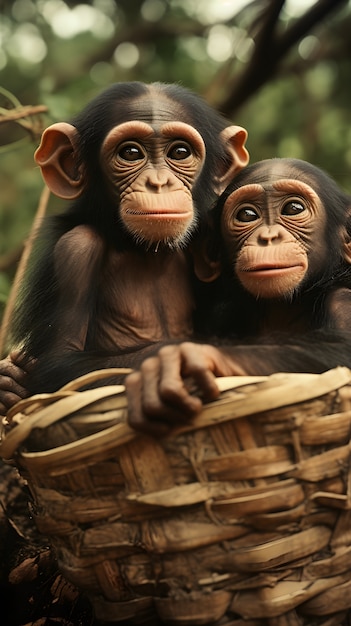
{"x": 10, "y": 115}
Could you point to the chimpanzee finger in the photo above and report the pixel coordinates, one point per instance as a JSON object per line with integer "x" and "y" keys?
{"x": 151, "y": 411}
{"x": 11, "y": 389}
{"x": 191, "y": 360}
{"x": 11, "y": 375}
{"x": 8, "y": 399}
{"x": 145, "y": 412}
{"x": 12, "y": 379}
{"x": 174, "y": 389}
{"x": 175, "y": 405}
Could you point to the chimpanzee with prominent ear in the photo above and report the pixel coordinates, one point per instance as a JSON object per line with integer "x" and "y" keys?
{"x": 280, "y": 242}
{"x": 112, "y": 274}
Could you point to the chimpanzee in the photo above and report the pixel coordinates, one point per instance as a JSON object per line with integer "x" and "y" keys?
{"x": 112, "y": 274}
{"x": 280, "y": 241}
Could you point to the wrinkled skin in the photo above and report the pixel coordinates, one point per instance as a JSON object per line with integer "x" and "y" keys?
{"x": 274, "y": 232}
{"x": 152, "y": 174}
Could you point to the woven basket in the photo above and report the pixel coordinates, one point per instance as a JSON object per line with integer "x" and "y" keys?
{"x": 240, "y": 518}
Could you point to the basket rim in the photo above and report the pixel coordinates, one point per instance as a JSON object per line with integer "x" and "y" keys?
{"x": 271, "y": 392}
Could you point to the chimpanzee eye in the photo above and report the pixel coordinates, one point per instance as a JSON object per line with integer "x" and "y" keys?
{"x": 130, "y": 152}
{"x": 246, "y": 214}
{"x": 179, "y": 151}
{"x": 293, "y": 207}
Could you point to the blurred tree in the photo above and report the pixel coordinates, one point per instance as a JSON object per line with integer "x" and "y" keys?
{"x": 278, "y": 67}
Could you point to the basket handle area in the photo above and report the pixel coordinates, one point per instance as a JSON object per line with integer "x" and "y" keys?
{"x": 276, "y": 391}
{"x": 61, "y": 405}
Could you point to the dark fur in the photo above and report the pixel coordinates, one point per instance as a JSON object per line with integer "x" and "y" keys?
{"x": 36, "y": 316}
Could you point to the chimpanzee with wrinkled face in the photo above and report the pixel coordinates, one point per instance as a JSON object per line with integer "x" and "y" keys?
{"x": 281, "y": 231}
{"x": 111, "y": 275}
{"x": 279, "y": 253}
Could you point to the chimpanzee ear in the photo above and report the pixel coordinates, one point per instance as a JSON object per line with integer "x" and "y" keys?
{"x": 205, "y": 268}
{"x": 57, "y": 157}
{"x": 234, "y": 139}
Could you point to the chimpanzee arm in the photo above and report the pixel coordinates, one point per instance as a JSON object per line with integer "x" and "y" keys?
{"x": 160, "y": 393}
{"x": 315, "y": 353}
{"x": 57, "y": 369}
{"x": 78, "y": 257}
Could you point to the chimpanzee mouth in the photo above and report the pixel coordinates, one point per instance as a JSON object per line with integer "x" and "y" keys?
{"x": 273, "y": 268}
{"x": 158, "y": 213}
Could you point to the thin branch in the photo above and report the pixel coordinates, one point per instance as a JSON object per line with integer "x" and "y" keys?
{"x": 11, "y": 115}
{"x": 270, "y": 48}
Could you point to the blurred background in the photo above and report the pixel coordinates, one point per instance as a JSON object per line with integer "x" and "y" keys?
{"x": 281, "y": 69}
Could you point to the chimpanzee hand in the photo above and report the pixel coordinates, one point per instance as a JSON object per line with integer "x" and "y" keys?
{"x": 12, "y": 380}
{"x": 170, "y": 387}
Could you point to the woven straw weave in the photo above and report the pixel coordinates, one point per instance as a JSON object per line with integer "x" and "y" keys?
{"x": 241, "y": 518}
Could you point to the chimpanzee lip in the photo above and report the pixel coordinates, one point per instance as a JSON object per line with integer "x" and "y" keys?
{"x": 159, "y": 212}
{"x": 272, "y": 268}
